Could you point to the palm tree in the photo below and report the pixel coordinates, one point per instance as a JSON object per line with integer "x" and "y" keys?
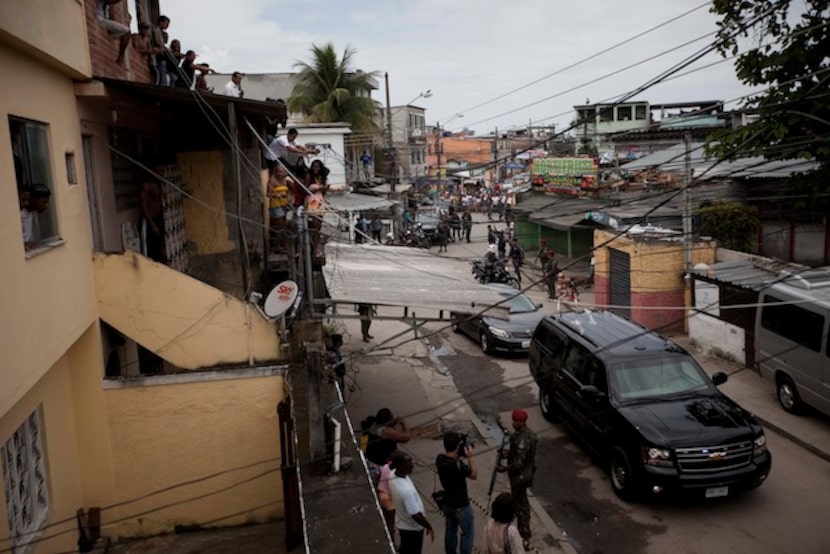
{"x": 329, "y": 90}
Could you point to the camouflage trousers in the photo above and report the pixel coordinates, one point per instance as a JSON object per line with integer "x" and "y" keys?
{"x": 522, "y": 508}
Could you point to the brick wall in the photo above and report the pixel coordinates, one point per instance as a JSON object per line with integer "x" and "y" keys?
{"x": 665, "y": 321}
{"x": 103, "y": 48}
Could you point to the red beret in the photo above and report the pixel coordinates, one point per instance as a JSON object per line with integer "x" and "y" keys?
{"x": 519, "y": 415}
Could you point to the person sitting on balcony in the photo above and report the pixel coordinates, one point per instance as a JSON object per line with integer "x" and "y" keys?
{"x": 187, "y": 71}
{"x": 141, "y": 42}
{"x": 201, "y": 83}
{"x": 233, "y": 89}
{"x": 174, "y": 59}
{"x": 115, "y": 28}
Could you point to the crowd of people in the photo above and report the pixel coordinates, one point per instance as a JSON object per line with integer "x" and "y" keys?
{"x": 403, "y": 508}
{"x": 169, "y": 65}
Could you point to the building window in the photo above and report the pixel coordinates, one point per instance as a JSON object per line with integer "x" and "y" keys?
{"x": 32, "y": 167}
{"x": 606, "y": 113}
{"x": 623, "y": 113}
{"x": 24, "y": 482}
{"x": 586, "y": 115}
{"x": 640, "y": 112}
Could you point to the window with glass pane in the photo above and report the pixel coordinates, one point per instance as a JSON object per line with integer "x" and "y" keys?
{"x": 32, "y": 165}
{"x": 24, "y": 482}
{"x": 606, "y": 113}
{"x": 640, "y": 112}
{"x": 623, "y": 113}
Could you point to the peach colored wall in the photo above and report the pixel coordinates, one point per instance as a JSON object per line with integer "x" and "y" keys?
{"x": 213, "y": 444}
{"x": 51, "y": 31}
{"x": 53, "y": 393}
{"x": 47, "y": 300}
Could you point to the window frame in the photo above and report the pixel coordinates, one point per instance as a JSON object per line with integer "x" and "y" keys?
{"x": 21, "y": 139}
{"x": 788, "y": 321}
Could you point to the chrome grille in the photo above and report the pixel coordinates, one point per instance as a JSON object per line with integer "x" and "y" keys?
{"x": 526, "y": 334}
{"x": 714, "y": 458}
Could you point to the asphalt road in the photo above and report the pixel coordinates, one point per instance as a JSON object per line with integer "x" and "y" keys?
{"x": 786, "y": 514}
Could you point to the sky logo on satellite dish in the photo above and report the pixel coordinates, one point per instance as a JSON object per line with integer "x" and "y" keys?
{"x": 280, "y": 299}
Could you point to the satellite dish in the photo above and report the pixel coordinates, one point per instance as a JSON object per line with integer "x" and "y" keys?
{"x": 280, "y": 299}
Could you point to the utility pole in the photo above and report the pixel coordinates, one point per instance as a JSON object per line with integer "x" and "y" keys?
{"x": 438, "y": 148}
{"x": 687, "y": 202}
{"x": 390, "y": 148}
{"x": 496, "y": 156}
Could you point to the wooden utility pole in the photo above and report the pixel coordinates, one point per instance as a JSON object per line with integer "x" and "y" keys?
{"x": 236, "y": 164}
{"x": 390, "y": 145}
{"x": 687, "y": 201}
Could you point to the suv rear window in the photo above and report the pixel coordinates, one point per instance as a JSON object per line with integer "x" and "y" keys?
{"x": 549, "y": 340}
{"x": 657, "y": 376}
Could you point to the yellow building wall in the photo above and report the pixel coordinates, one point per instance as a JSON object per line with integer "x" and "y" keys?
{"x": 202, "y": 177}
{"x": 52, "y": 31}
{"x": 54, "y": 393}
{"x": 47, "y": 300}
{"x": 202, "y": 453}
{"x": 185, "y": 321}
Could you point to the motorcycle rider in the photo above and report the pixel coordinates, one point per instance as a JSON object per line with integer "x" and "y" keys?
{"x": 490, "y": 261}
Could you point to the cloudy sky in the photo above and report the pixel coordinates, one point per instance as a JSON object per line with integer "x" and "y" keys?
{"x": 472, "y": 54}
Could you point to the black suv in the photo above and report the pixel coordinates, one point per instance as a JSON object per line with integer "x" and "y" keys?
{"x": 643, "y": 405}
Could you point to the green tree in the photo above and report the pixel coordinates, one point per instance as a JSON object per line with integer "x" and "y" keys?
{"x": 786, "y": 51}
{"x": 328, "y": 89}
{"x": 732, "y": 224}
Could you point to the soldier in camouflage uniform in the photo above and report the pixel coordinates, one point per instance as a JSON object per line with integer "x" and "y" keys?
{"x": 521, "y": 466}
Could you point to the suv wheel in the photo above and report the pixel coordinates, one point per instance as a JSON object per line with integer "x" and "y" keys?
{"x": 788, "y": 395}
{"x": 546, "y": 404}
{"x": 622, "y": 477}
{"x": 454, "y": 325}
{"x": 484, "y": 342}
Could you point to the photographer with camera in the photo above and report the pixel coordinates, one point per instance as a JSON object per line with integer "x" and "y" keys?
{"x": 454, "y": 467}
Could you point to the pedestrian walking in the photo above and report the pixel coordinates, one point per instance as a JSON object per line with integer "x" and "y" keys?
{"x": 454, "y": 467}
{"x": 365, "y": 311}
{"x": 517, "y": 256}
{"x": 409, "y": 508}
{"x": 376, "y": 226}
{"x": 520, "y": 468}
{"x": 467, "y": 224}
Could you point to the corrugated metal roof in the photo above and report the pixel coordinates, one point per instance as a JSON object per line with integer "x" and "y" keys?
{"x": 673, "y": 159}
{"x": 357, "y": 202}
{"x": 400, "y": 276}
{"x": 741, "y": 273}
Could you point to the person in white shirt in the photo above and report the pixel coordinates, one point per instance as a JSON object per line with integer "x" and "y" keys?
{"x": 409, "y": 508}
{"x": 285, "y": 149}
{"x": 233, "y": 89}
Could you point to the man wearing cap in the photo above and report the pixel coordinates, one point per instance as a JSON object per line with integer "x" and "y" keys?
{"x": 521, "y": 466}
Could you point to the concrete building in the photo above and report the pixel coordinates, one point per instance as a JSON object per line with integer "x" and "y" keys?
{"x": 409, "y": 141}
{"x": 633, "y": 129}
{"x": 146, "y": 389}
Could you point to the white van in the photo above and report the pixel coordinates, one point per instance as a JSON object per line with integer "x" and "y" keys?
{"x": 791, "y": 338}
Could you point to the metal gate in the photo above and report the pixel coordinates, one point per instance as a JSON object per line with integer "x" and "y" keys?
{"x": 620, "y": 282}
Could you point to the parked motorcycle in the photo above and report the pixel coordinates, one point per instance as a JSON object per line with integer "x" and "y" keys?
{"x": 499, "y": 274}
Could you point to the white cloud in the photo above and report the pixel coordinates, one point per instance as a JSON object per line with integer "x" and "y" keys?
{"x": 466, "y": 51}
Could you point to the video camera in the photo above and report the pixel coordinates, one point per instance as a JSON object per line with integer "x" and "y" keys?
{"x": 463, "y": 442}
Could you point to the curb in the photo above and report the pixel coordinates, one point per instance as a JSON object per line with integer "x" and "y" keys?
{"x": 793, "y": 438}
